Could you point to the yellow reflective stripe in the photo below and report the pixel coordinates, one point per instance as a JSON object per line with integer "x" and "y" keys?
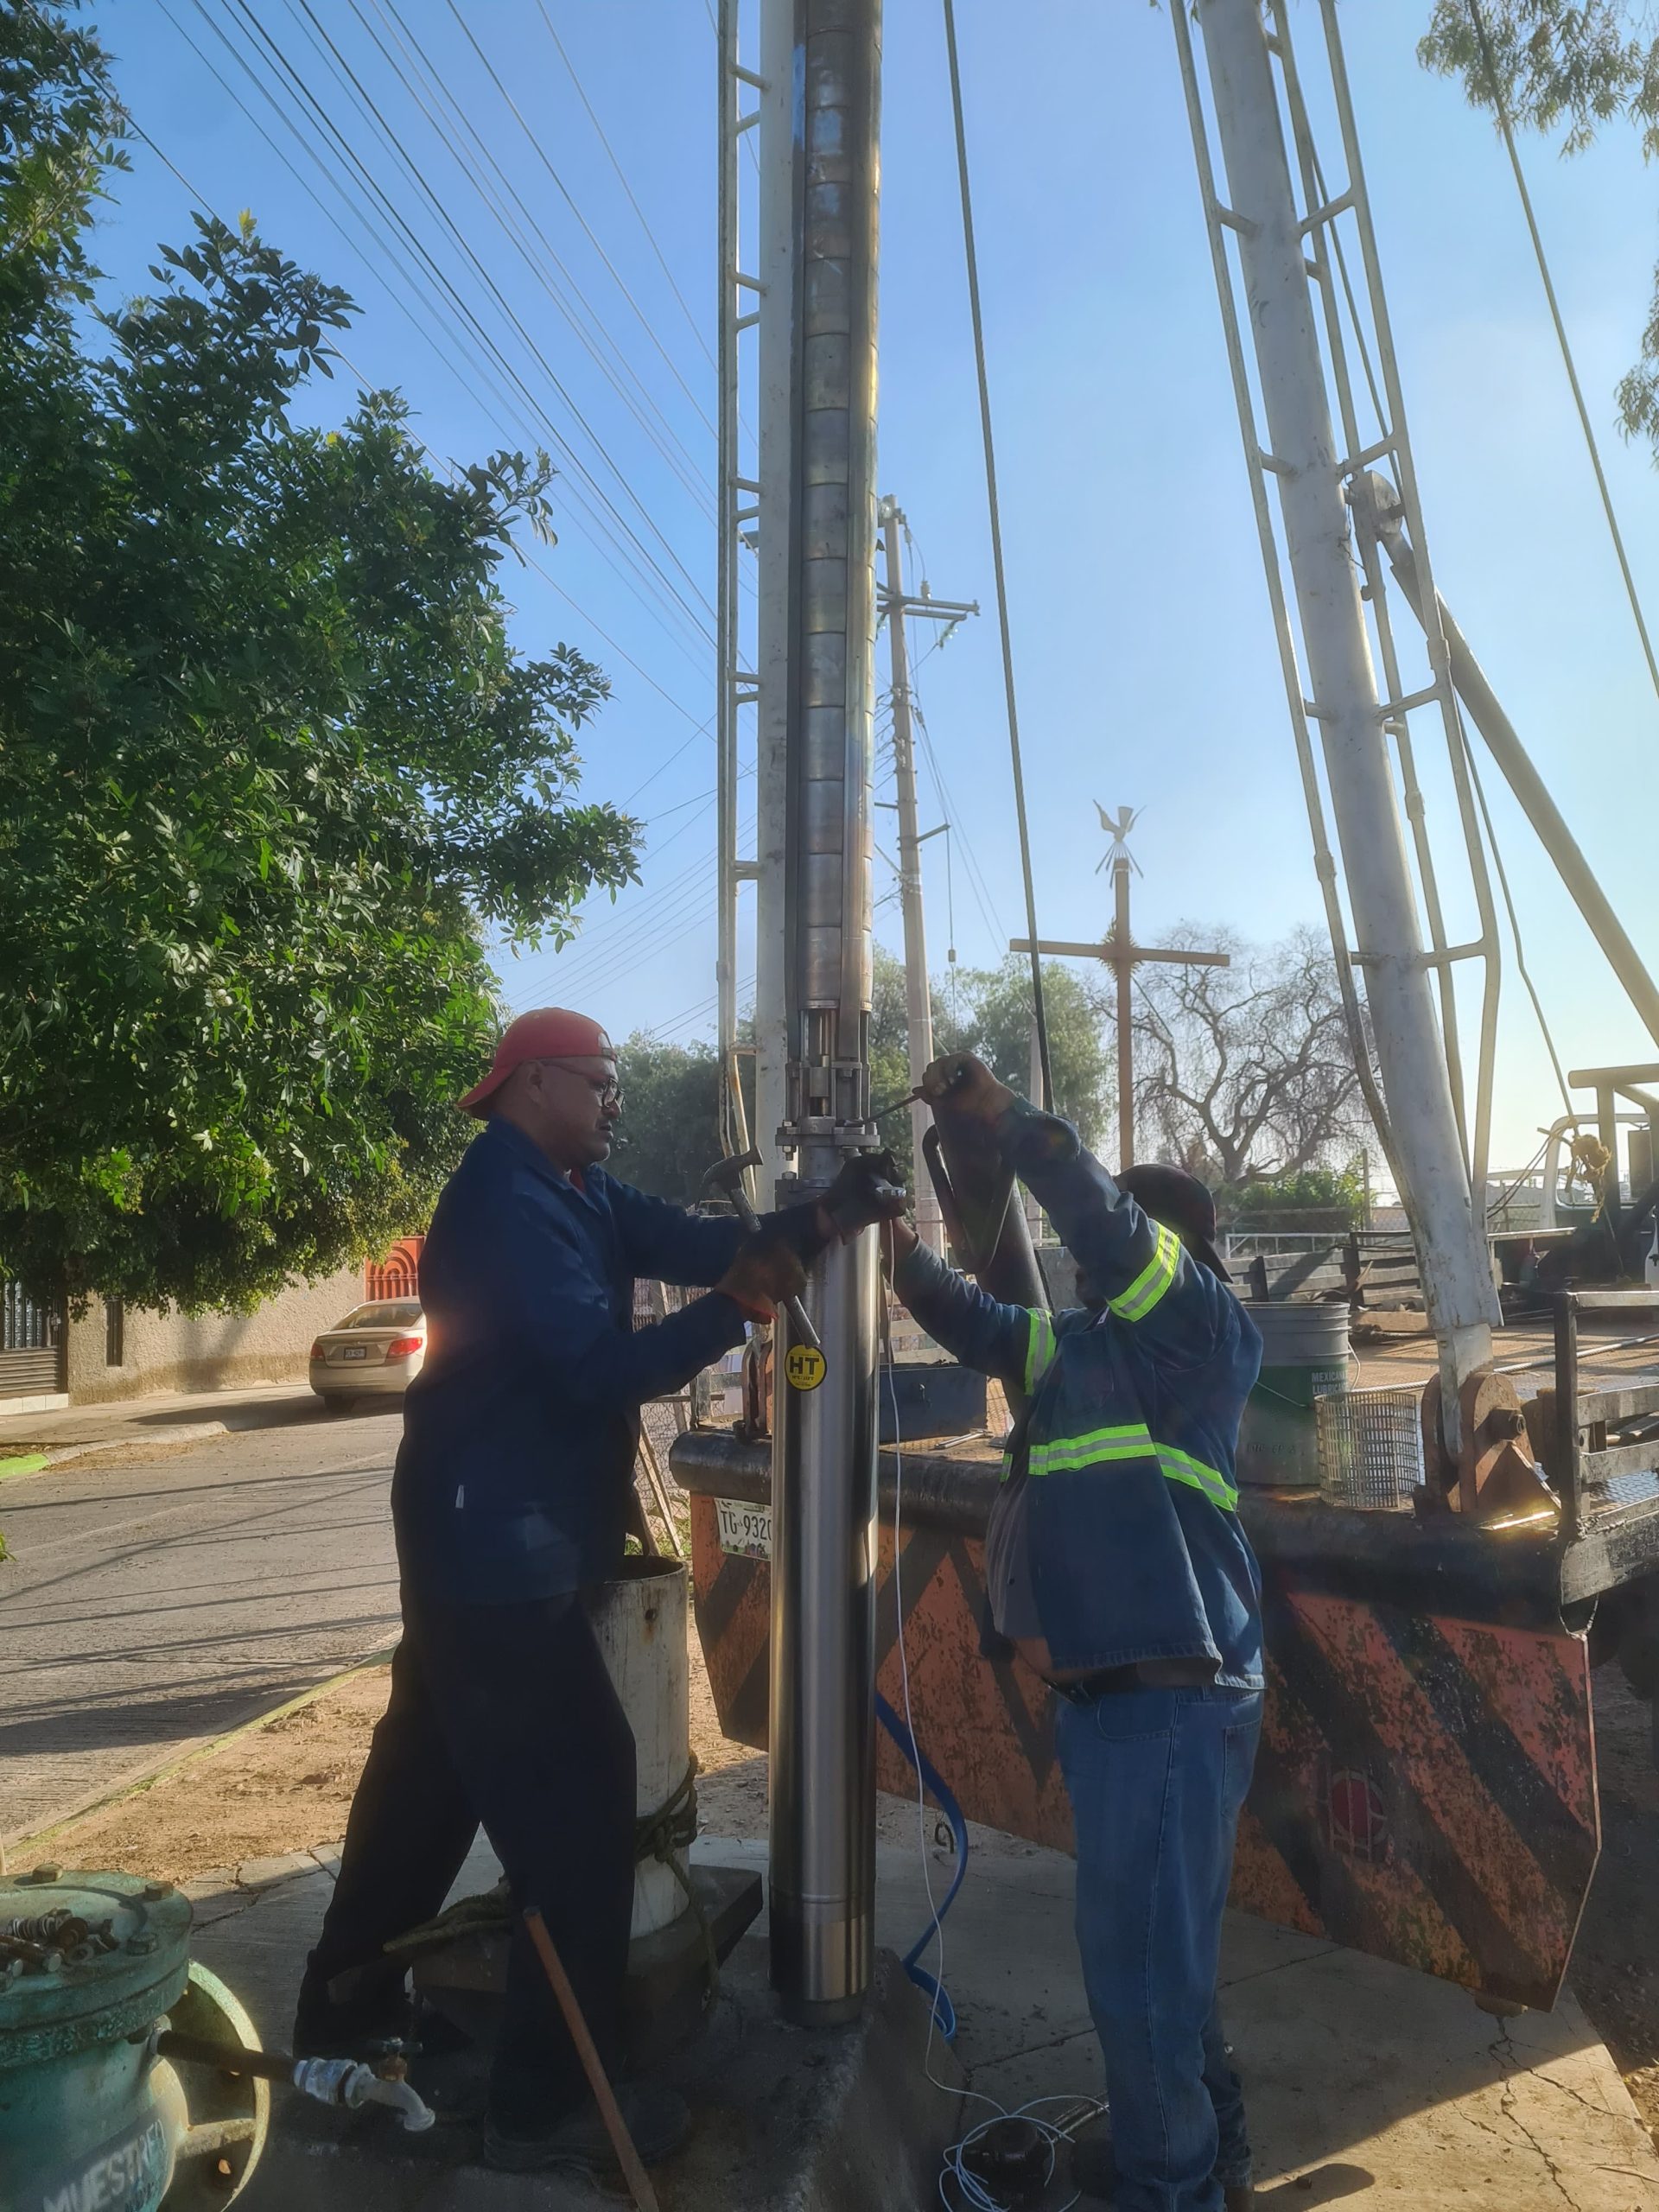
{"x": 1007, "y": 1466}
{"x": 1066, "y": 1454}
{"x": 1182, "y": 1467}
{"x": 1039, "y": 1344}
{"x": 1154, "y": 1280}
{"x": 1131, "y": 1440}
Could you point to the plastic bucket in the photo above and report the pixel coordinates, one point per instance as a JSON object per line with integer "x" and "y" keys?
{"x": 1303, "y": 1356}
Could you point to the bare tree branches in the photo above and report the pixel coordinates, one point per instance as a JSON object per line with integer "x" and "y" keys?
{"x": 1244, "y": 1073}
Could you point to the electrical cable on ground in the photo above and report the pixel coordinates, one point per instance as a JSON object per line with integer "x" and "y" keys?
{"x": 971, "y": 2192}
{"x": 1501, "y": 107}
{"x": 1038, "y": 1013}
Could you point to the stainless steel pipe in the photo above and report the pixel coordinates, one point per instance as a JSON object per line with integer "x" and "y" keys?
{"x": 822, "y": 1739}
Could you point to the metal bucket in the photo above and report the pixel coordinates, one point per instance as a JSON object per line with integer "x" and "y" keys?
{"x": 1304, "y": 1358}
{"x": 639, "y": 1620}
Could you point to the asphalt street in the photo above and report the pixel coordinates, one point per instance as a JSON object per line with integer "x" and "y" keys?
{"x": 153, "y": 1604}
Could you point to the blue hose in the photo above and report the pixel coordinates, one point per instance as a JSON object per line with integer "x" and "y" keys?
{"x": 944, "y": 2013}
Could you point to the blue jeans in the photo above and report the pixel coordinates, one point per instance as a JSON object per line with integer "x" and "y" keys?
{"x": 1156, "y": 1779}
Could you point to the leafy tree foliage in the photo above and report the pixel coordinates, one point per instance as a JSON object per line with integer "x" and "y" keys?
{"x": 269, "y": 769}
{"x": 669, "y": 1134}
{"x": 995, "y": 1023}
{"x": 1574, "y": 65}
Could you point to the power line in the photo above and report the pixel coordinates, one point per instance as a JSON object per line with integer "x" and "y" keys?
{"x": 417, "y": 176}
{"x": 416, "y": 59}
{"x": 559, "y": 183}
{"x": 583, "y": 473}
{"x": 622, "y": 180}
{"x": 435, "y": 310}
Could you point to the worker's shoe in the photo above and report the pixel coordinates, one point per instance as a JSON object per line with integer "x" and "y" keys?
{"x": 1095, "y": 2172}
{"x": 658, "y": 2119}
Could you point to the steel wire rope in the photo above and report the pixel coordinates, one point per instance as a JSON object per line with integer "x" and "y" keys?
{"x": 564, "y": 190}
{"x": 583, "y": 473}
{"x": 970, "y": 251}
{"x": 1501, "y": 106}
{"x": 1362, "y": 347}
{"x": 418, "y": 178}
{"x": 621, "y": 178}
{"x": 415, "y": 57}
{"x": 595, "y": 523}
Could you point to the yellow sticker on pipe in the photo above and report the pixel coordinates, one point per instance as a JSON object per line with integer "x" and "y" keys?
{"x": 804, "y": 1368}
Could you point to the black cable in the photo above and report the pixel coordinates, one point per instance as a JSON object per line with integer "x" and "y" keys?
{"x": 418, "y": 178}
{"x": 433, "y": 307}
{"x": 621, "y": 179}
{"x": 1039, "y": 1012}
{"x": 541, "y": 153}
{"x": 583, "y": 474}
{"x": 415, "y": 60}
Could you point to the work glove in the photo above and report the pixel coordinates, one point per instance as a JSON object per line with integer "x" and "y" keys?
{"x": 766, "y": 1271}
{"x": 959, "y": 1083}
{"x": 868, "y": 1190}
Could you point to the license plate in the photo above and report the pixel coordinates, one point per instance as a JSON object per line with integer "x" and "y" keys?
{"x": 745, "y": 1530}
{"x": 354, "y": 1351}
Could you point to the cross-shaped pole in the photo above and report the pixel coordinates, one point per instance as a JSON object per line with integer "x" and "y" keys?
{"x": 1120, "y": 952}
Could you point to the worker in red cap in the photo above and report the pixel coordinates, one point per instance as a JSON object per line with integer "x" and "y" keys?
{"x": 512, "y": 1494}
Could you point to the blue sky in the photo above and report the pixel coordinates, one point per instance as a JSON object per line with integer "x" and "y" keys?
{"x": 1146, "y": 665}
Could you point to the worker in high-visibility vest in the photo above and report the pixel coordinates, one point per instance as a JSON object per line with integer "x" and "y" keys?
{"x": 512, "y": 1494}
{"x": 1117, "y": 1570}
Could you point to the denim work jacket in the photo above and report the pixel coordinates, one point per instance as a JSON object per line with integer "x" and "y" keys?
{"x": 1123, "y": 1468}
{"x": 520, "y": 1430}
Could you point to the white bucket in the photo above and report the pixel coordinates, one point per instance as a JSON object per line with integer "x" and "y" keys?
{"x": 1305, "y": 1357}
{"x": 639, "y": 1619}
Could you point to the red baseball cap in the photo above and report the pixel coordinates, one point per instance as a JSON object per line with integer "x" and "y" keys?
{"x": 548, "y": 1032}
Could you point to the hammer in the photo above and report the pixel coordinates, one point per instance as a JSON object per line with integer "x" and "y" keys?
{"x": 726, "y": 1176}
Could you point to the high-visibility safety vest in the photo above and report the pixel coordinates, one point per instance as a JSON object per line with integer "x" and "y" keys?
{"x": 1123, "y": 1463}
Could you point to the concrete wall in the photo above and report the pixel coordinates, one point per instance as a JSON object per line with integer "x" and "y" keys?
{"x": 172, "y": 1352}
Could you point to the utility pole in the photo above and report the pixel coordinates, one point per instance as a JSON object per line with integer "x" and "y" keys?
{"x": 1123, "y": 956}
{"x": 918, "y": 1004}
{"x": 822, "y": 1743}
{"x": 737, "y": 496}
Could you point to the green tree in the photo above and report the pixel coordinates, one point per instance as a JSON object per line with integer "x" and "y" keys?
{"x": 669, "y": 1134}
{"x": 995, "y": 1023}
{"x": 269, "y": 769}
{"x": 1571, "y": 65}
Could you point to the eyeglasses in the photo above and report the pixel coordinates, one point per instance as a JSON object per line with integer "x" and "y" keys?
{"x": 606, "y": 1088}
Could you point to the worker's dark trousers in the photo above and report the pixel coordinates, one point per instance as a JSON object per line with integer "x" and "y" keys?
{"x": 502, "y": 1716}
{"x": 1156, "y": 1779}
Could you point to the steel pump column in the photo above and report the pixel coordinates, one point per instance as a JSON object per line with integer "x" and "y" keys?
{"x": 1304, "y": 461}
{"x": 822, "y": 1723}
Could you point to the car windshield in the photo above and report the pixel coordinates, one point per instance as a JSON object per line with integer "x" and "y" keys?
{"x": 389, "y": 1313}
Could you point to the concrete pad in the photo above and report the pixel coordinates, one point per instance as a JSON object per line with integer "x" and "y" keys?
{"x": 1364, "y": 2078}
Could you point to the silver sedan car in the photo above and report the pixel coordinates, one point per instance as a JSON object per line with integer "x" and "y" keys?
{"x": 376, "y": 1351}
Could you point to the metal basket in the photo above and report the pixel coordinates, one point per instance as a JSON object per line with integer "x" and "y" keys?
{"x": 1371, "y": 1448}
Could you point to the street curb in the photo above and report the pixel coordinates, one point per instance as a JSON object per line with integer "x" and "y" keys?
{"x": 41, "y": 1458}
{"x": 13, "y": 1847}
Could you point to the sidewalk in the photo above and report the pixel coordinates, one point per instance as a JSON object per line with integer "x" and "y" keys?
{"x": 1365, "y": 2079}
{"x": 162, "y": 1417}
